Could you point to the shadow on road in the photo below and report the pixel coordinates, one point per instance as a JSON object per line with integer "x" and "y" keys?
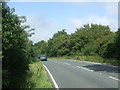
{"x": 105, "y": 68}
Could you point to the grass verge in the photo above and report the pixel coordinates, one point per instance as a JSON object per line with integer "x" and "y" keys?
{"x": 91, "y": 59}
{"x": 38, "y": 76}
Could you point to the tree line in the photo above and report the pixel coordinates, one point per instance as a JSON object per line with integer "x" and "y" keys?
{"x": 89, "y": 40}
{"x": 17, "y": 49}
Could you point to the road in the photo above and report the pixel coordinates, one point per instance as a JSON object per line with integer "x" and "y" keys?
{"x": 81, "y": 74}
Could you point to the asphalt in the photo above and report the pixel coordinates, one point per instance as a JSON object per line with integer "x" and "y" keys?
{"x": 81, "y": 74}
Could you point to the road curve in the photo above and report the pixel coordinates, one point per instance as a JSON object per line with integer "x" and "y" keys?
{"x": 78, "y": 74}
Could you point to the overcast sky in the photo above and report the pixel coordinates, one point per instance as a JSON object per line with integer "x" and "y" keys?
{"x": 49, "y": 17}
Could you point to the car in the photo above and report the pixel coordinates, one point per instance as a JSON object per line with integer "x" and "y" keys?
{"x": 43, "y": 57}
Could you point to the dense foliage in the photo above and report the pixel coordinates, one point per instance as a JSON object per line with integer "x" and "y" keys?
{"x": 19, "y": 51}
{"x": 40, "y": 48}
{"x": 16, "y": 47}
{"x": 89, "y": 40}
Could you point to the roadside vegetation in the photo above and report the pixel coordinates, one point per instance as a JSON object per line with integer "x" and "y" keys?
{"x": 18, "y": 69}
{"x": 95, "y": 59}
{"x": 37, "y": 76}
{"x": 92, "y": 42}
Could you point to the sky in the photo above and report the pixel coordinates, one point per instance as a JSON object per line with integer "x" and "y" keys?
{"x": 49, "y": 17}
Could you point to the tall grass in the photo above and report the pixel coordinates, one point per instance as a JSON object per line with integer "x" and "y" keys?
{"x": 38, "y": 77}
{"x": 97, "y": 59}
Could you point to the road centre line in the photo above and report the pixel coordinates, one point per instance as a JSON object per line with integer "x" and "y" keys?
{"x": 67, "y": 63}
{"x": 78, "y": 66}
{"x": 100, "y": 73}
{"x": 55, "y": 84}
{"x": 85, "y": 68}
{"x": 114, "y": 78}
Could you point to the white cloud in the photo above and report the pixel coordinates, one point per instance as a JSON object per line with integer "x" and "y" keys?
{"x": 95, "y": 19}
{"x": 38, "y": 36}
{"x": 40, "y": 22}
{"x": 43, "y": 28}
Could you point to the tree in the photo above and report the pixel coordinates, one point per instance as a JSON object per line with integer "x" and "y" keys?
{"x": 60, "y": 33}
{"x": 17, "y": 51}
{"x": 56, "y": 43}
{"x": 118, "y": 44}
{"x": 89, "y": 40}
{"x": 113, "y": 49}
{"x": 41, "y": 47}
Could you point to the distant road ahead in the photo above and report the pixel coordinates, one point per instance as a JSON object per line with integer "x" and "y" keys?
{"x": 77, "y": 74}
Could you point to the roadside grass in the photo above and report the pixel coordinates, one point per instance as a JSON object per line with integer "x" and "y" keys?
{"x": 38, "y": 77}
{"x": 96, "y": 59}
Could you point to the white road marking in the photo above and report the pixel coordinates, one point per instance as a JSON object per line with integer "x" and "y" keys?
{"x": 78, "y": 66}
{"x": 56, "y": 86}
{"x": 114, "y": 78}
{"x": 67, "y": 63}
{"x": 85, "y": 68}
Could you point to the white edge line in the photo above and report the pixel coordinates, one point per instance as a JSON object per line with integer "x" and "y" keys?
{"x": 56, "y": 86}
{"x": 114, "y": 78}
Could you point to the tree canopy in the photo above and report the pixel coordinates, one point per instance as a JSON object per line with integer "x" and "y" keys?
{"x": 89, "y": 40}
{"x": 16, "y": 47}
